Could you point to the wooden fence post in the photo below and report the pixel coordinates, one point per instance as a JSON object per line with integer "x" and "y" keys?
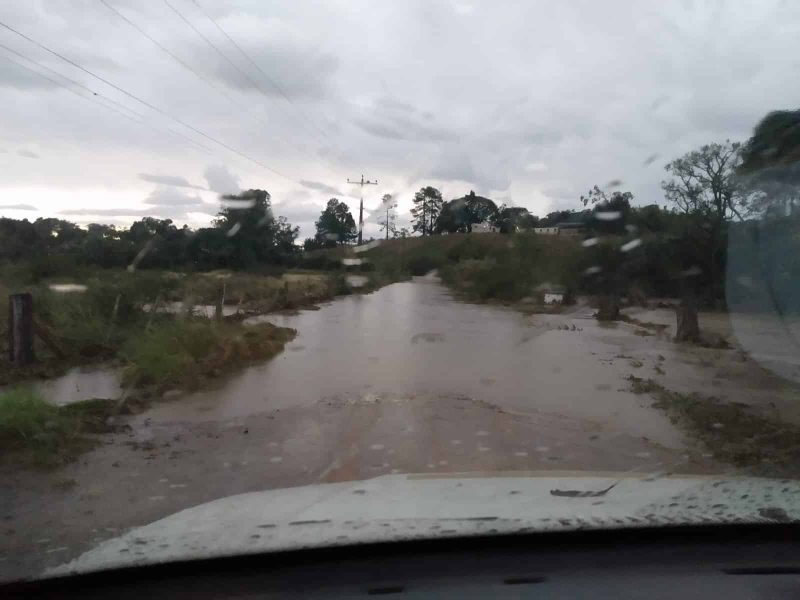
{"x": 218, "y": 309}
{"x": 20, "y": 329}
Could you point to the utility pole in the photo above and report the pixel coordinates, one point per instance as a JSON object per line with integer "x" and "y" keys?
{"x": 362, "y": 183}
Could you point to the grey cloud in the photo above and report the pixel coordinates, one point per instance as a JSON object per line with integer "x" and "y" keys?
{"x": 392, "y": 104}
{"x": 174, "y": 180}
{"x": 288, "y": 63}
{"x": 110, "y": 212}
{"x": 406, "y": 129}
{"x": 402, "y": 126}
{"x": 176, "y": 213}
{"x": 27, "y": 153}
{"x": 397, "y": 120}
{"x": 454, "y": 167}
{"x": 297, "y": 212}
{"x": 221, "y": 180}
{"x": 17, "y": 207}
{"x": 321, "y": 187}
{"x": 430, "y": 97}
{"x": 14, "y": 76}
{"x": 560, "y": 192}
{"x": 167, "y": 196}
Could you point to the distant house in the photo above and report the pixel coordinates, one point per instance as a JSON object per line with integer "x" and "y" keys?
{"x": 571, "y": 228}
{"x": 561, "y": 229}
{"x": 553, "y": 295}
{"x": 546, "y": 230}
{"x": 484, "y": 227}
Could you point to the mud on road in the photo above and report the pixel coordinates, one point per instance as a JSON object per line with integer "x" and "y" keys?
{"x": 158, "y": 469}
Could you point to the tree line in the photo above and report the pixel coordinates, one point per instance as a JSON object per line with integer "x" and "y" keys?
{"x": 244, "y": 235}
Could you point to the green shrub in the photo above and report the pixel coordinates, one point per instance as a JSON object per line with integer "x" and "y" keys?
{"x": 421, "y": 265}
{"x": 28, "y": 422}
{"x": 182, "y": 353}
{"x": 168, "y": 351}
{"x": 467, "y": 249}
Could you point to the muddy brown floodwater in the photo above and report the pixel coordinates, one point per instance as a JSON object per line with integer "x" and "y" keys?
{"x": 403, "y": 380}
{"x": 413, "y": 338}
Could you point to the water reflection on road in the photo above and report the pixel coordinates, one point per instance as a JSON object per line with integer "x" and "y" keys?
{"x": 413, "y": 338}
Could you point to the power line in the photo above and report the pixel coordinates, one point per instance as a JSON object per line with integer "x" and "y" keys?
{"x": 61, "y": 85}
{"x": 72, "y": 81}
{"x": 145, "y": 103}
{"x": 272, "y": 82}
{"x": 189, "y": 68}
{"x": 94, "y": 96}
{"x": 174, "y": 56}
{"x": 222, "y": 54}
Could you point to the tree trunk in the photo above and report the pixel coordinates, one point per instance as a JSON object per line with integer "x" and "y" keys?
{"x": 20, "y": 329}
{"x": 608, "y": 309}
{"x": 220, "y": 303}
{"x": 688, "y": 328}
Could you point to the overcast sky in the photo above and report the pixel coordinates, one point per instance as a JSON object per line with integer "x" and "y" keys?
{"x": 530, "y": 103}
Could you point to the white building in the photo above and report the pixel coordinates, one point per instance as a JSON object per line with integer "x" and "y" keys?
{"x": 484, "y": 227}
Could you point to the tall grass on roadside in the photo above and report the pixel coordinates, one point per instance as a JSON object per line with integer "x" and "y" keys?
{"x": 512, "y": 270}
{"x": 184, "y": 352}
{"x": 32, "y": 426}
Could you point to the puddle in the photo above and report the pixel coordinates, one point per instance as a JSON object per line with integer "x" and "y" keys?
{"x": 81, "y": 383}
{"x": 199, "y": 310}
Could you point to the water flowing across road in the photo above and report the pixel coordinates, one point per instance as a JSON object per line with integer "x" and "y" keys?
{"x": 413, "y": 338}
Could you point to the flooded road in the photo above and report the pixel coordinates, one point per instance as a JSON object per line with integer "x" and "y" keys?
{"x": 81, "y": 383}
{"x": 412, "y": 338}
{"x": 405, "y": 380}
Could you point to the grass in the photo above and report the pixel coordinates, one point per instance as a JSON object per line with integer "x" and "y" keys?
{"x": 184, "y": 353}
{"x": 32, "y": 431}
{"x": 107, "y": 322}
{"x": 255, "y": 293}
{"x": 482, "y": 267}
{"x": 516, "y": 269}
{"x": 734, "y": 434}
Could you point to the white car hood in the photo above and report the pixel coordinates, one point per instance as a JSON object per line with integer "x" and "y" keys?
{"x": 408, "y": 507}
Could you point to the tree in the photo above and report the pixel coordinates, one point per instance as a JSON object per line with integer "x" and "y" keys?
{"x": 554, "y": 218}
{"x": 770, "y": 167}
{"x": 478, "y": 209}
{"x": 388, "y": 221}
{"x": 336, "y": 225}
{"x": 460, "y": 214}
{"x": 705, "y": 188}
{"x": 775, "y": 141}
{"x": 609, "y": 211}
{"x": 704, "y": 182}
{"x": 427, "y": 206}
{"x": 509, "y": 219}
{"x": 254, "y": 235}
{"x": 452, "y": 218}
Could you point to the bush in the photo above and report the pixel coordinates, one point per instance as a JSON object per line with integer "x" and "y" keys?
{"x": 27, "y": 422}
{"x": 466, "y": 249}
{"x": 421, "y": 265}
{"x": 167, "y": 352}
{"x": 182, "y": 353}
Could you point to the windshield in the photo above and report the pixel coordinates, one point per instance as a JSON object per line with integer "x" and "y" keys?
{"x": 392, "y": 262}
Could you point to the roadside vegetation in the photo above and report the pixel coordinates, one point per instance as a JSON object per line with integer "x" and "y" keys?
{"x": 34, "y": 432}
{"x": 732, "y": 432}
{"x": 185, "y": 353}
